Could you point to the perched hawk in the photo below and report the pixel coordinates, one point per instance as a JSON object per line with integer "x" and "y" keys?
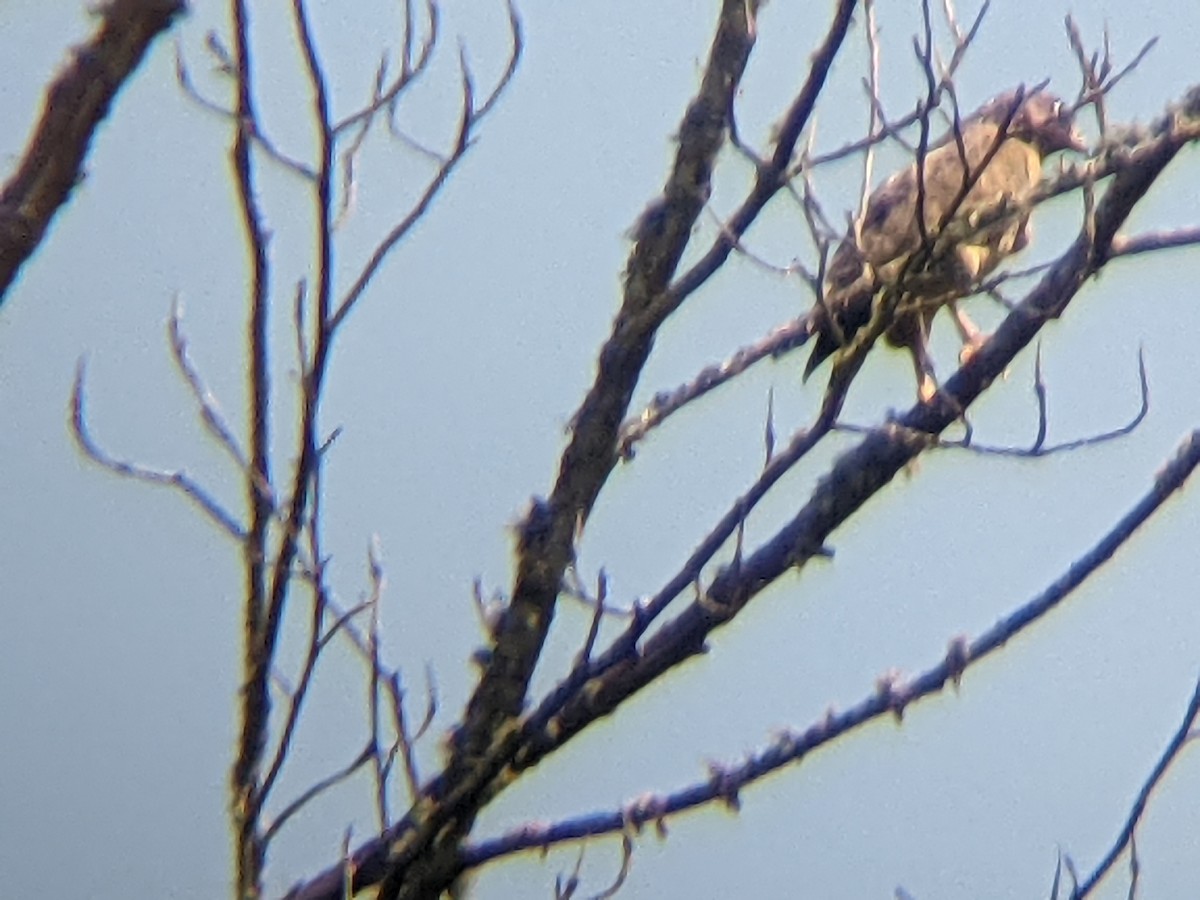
{"x": 1002, "y": 144}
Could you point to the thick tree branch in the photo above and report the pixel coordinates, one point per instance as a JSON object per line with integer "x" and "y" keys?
{"x": 76, "y": 102}
{"x": 891, "y": 697}
{"x": 423, "y": 863}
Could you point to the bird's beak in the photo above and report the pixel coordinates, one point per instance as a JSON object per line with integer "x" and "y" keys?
{"x": 1063, "y": 135}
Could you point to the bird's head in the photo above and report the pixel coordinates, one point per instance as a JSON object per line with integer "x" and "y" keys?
{"x": 1040, "y": 118}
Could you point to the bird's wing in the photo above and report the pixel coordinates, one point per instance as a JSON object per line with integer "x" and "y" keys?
{"x": 889, "y": 228}
{"x": 996, "y": 203}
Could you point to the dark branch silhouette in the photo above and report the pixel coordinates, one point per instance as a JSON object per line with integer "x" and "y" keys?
{"x": 77, "y": 101}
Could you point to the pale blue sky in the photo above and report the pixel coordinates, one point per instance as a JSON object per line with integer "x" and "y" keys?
{"x": 453, "y": 384}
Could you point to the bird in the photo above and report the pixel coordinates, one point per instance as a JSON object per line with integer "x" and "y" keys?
{"x": 979, "y": 208}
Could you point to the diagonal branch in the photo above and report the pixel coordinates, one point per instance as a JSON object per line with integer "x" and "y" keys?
{"x": 1183, "y": 735}
{"x": 891, "y": 697}
{"x": 76, "y": 103}
{"x": 863, "y": 471}
{"x": 547, "y": 534}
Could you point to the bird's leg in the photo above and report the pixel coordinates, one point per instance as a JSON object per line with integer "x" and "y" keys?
{"x": 923, "y": 366}
{"x": 927, "y": 386}
{"x": 973, "y": 261}
{"x": 972, "y": 337}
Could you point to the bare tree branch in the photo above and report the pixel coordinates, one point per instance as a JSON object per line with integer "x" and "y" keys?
{"x": 1039, "y": 446}
{"x": 891, "y": 697}
{"x": 262, "y": 141}
{"x": 490, "y": 748}
{"x": 1127, "y": 838}
{"x": 626, "y": 668}
{"x": 76, "y": 102}
{"x": 255, "y": 702}
{"x": 315, "y": 791}
{"x": 178, "y": 479}
{"x": 503, "y": 731}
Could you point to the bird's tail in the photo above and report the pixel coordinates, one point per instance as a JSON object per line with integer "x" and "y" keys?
{"x": 835, "y": 322}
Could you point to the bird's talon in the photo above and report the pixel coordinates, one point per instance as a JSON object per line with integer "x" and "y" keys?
{"x": 927, "y": 389}
{"x": 971, "y": 346}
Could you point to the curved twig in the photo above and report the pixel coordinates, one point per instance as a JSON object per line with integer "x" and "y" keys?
{"x": 1183, "y": 735}
{"x": 177, "y": 479}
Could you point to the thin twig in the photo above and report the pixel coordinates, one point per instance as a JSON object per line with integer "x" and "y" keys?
{"x": 1183, "y": 735}
{"x": 178, "y": 479}
{"x": 309, "y": 458}
{"x": 253, "y": 130}
{"x": 875, "y": 115}
{"x": 411, "y": 68}
{"x": 349, "y": 156}
{"x": 315, "y": 791}
{"x": 210, "y": 412}
{"x": 891, "y": 130}
{"x": 402, "y": 228}
{"x": 375, "y": 682}
{"x": 1038, "y": 447}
